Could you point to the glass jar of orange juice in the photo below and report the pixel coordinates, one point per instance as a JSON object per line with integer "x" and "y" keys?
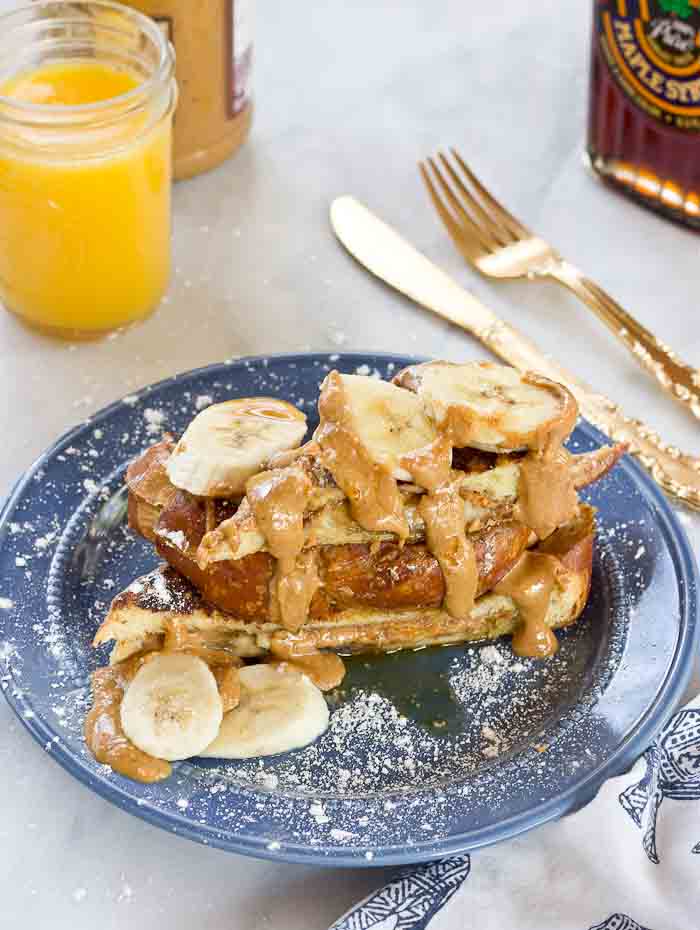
{"x": 86, "y": 101}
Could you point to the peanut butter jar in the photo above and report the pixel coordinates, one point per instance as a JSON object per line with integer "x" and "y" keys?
{"x": 213, "y": 47}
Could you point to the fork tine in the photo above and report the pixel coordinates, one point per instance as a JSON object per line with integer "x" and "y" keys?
{"x": 467, "y": 223}
{"x": 454, "y": 230}
{"x": 497, "y": 230}
{"x": 515, "y": 225}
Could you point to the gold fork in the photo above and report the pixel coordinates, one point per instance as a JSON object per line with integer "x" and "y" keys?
{"x": 500, "y": 246}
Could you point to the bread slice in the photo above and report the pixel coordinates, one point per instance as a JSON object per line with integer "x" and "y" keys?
{"x": 138, "y": 617}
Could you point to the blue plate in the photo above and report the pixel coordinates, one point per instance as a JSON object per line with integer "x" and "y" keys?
{"x": 428, "y": 753}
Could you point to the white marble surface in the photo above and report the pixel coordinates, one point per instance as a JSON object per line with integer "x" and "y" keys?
{"x": 349, "y": 96}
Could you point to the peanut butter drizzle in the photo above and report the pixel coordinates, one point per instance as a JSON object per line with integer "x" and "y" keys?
{"x": 178, "y": 638}
{"x": 442, "y": 510}
{"x": 546, "y": 494}
{"x": 325, "y": 669}
{"x": 295, "y": 589}
{"x": 371, "y": 489}
{"x": 209, "y": 514}
{"x": 546, "y": 490}
{"x": 229, "y": 685}
{"x": 103, "y": 729}
{"x": 278, "y": 500}
{"x": 529, "y": 583}
{"x": 445, "y": 530}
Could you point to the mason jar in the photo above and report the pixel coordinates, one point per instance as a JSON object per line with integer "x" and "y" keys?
{"x": 87, "y": 94}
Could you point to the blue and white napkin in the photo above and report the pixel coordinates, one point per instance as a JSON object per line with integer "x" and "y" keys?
{"x": 630, "y": 860}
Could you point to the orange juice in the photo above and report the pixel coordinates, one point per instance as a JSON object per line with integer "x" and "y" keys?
{"x": 84, "y": 228}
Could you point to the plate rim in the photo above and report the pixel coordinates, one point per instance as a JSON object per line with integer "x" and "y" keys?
{"x": 566, "y": 801}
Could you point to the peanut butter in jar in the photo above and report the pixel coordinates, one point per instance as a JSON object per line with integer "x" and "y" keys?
{"x": 213, "y": 46}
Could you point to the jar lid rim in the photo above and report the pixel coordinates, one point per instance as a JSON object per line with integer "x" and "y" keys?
{"x": 162, "y": 74}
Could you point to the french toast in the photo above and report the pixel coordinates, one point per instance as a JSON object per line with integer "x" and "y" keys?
{"x": 440, "y": 508}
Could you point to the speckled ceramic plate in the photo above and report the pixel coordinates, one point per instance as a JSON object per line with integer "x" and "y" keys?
{"x": 428, "y": 753}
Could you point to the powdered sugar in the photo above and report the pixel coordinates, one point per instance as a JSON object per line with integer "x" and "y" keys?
{"x": 154, "y": 420}
{"x": 487, "y": 676}
{"x": 341, "y": 836}
{"x": 318, "y": 812}
{"x": 366, "y": 371}
{"x": 176, "y": 537}
{"x": 43, "y": 542}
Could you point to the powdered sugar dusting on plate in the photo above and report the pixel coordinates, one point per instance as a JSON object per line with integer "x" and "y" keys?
{"x": 155, "y": 420}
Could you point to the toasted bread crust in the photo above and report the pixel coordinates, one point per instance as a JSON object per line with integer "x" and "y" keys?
{"x": 139, "y": 614}
{"x": 381, "y": 576}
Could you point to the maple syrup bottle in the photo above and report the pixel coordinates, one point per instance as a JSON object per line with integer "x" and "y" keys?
{"x": 644, "y": 115}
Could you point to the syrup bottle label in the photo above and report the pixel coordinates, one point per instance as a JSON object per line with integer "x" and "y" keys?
{"x": 652, "y": 47}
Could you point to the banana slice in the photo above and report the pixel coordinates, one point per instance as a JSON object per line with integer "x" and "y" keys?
{"x": 172, "y": 709}
{"x": 492, "y": 407}
{"x": 280, "y": 709}
{"x": 227, "y": 443}
{"x": 387, "y": 422}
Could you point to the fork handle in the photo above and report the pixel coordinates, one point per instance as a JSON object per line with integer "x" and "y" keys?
{"x": 680, "y": 380}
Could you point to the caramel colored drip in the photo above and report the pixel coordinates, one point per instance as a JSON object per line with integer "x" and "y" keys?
{"x": 325, "y": 669}
{"x": 546, "y": 488}
{"x": 546, "y": 493}
{"x": 278, "y": 500}
{"x": 229, "y": 685}
{"x": 209, "y": 514}
{"x": 104, "y": 734}
{"x": 375, "y": 501}
{"x": 430, "y": 467}
{"x": 529, "y": 583}
{"x": 295, "y": 589}
{"x": 290, "y": 456}
{"x": 442, "y": 511}
{"x": 207, "y": 646}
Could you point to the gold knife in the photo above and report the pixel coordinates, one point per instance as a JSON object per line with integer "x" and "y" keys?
{"x": 387, "y": 255}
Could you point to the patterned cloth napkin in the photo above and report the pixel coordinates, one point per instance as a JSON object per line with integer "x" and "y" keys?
{"x": 630, "y": 860}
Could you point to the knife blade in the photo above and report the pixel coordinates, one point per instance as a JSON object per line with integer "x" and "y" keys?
{"x": 388, "y": 256}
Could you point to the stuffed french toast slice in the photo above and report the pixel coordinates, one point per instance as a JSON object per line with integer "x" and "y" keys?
{"x": 439, "y": 508}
